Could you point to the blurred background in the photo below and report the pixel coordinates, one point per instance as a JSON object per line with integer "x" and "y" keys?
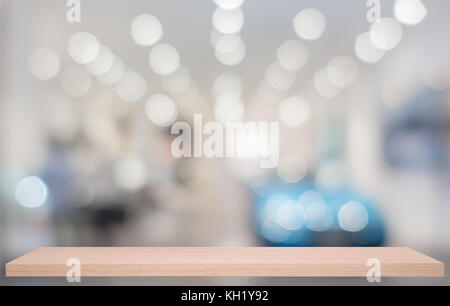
{"x": 86, "y": 110}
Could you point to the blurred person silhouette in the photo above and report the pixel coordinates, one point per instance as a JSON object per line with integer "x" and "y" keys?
{"x": 58, "y": 171}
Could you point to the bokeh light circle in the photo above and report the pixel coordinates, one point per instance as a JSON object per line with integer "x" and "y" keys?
{"x": 230, "y": 50}
{"x": 318, "y": 216}
{"x": 323, "y": 84}
{"x": 310, "y": 24}
{"x": 228, "y": 21}
{"x": 227, "y": 83}
{"x": 102, "y": 63}
{"x": 161, "y": 110}
{"x": 353, "y": 217}
{"x": 146, "y": 30}
{"x": 342, "y": 71}
{"x": 131, "y": 87}
{"x": 290, "y": 215}
{"x": 130, "y": 172}
{"x": 44, "y": 64}
{"x": 228, "y": 108}
{"x": 365, "y": 50}
{"x": 83, "y": 47}
{"x": 164, "y": 59}
{"x": 410, "y": 12}
{"x": 294, "y": 111}
{"x": 75, "y": 81}
{"x": 31, "y": 192}
{"x": 292, "y": 54}
{"x": 292, "y": 168}
{"x": 386, "y": 33}
{"x": 229, "y": 4}
{"x": 280, "y": 78}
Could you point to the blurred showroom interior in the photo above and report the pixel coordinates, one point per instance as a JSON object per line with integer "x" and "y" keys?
{"x": 86, "y": 110}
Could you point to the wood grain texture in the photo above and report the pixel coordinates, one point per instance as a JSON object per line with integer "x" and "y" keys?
{"x": 224, "y": 261}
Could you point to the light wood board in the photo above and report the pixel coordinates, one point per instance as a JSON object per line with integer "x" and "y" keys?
{"x": 224, "y": 261}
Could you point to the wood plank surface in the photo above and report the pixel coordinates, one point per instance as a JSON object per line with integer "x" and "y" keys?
{"x": 224, "y": 261}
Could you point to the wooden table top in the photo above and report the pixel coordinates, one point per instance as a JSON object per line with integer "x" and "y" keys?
{"x": 224, "y": 261}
